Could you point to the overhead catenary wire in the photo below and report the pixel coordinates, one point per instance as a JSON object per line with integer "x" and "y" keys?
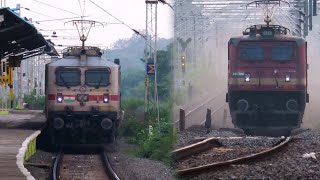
{"x": 82, "y": 9}
{"x": 41, "y": 14}
{"x": 52, "y": 28}
{"x": 28, "y": 9}
{"x": 57, "y": 29}
{"x": 46, "y": 20}
{"x": 38, "y": 22}
{"x": 56, "y": 7}
{"x": 80, "y": 6}
{"x": 134, "y": 30}
{"x": 164, "y": 2}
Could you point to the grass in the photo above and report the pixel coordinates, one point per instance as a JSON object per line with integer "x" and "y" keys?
{"x": 4, "y": 112}
{"x": 156, "y": 143}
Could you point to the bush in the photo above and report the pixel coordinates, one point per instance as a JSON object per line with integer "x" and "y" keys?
{"x": 159, "y": 143}
{"x": 19, "y": 108}
{"x": 34, "y": 102}
{"x": 135, "y": 131}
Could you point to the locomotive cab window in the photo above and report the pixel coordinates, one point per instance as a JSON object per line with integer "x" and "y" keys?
{"x": 68, "y": 77}
{"x": 98, "y": 77}
{"x": 251, "y": 52}
{"x": 282, "y": 52}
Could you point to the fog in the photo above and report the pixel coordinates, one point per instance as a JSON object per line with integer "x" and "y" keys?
{"x": 312, "y": 112}
{"x": 206, "y": 71}
{"x": 209, "y": 74}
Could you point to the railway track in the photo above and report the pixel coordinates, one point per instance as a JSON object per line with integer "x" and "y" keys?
{"x": 200, "y": 110}
{"x": 82, "y": 166}
{"x": 210, "y": 155}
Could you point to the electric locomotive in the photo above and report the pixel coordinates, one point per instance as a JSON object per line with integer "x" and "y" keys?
{"x": 267, "y": 80}
{"x": 82, "y": 97}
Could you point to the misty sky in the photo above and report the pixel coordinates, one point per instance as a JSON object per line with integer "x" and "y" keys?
{"x": 131, "y": 12}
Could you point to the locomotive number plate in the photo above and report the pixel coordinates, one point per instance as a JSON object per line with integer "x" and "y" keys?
{"x": 238, "y": 74}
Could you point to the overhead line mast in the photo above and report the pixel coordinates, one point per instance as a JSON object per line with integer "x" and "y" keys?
{"x": 151, "y": 54}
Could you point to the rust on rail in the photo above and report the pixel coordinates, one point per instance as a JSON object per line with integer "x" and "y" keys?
{"x": 282, "y": 143}
{"x": 195, "y": 148}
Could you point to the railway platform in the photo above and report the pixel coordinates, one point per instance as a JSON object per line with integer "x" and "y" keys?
{"x": 16, "y": 131}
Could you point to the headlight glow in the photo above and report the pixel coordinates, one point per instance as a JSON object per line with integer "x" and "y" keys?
{"x": 247, "y": 77}
{"x": 59, "y": 98}
{"x": 106, "y": 98}
{"x": 287, "y": 79}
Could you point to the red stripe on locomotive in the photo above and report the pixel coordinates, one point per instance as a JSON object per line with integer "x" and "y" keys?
{"x": 91, "y": 97}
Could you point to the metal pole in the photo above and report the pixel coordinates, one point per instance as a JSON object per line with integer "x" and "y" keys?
{"x": 310, "y": 14}
{"x": 305, "y": 28}
{"x": 224, "y": 117}
{"x": 11, "y": 86}
{"x": 146, "y": 62}
{"x": 182, "y": 120}
{"x": 194, "y": 42}
{"x": 208, "y": 119}
{"x": 155, "y": 65}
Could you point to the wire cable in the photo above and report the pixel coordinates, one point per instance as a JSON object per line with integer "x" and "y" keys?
{"x": 54, "y": 19}
{"x": 28, "y": 9}
{"x": 80, "y": 6}
{"x": 137, "y": 32}
{"x": 56, "y": 7}
{"x": 51, "y": 27}
{"x": 37, "y": 22}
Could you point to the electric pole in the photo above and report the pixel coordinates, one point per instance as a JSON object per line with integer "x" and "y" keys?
{"x": 151, "y": 53}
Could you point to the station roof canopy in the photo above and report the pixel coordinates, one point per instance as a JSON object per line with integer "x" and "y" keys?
{"x": 19, "y": 37}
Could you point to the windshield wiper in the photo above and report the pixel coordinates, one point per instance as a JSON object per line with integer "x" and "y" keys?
{"x": 64, "y": 82}
{"x": 99, "y": 82}
{"x": 275, "y": 78}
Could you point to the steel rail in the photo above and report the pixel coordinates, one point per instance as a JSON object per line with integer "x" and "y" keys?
{"x": 55, "y": 171}
{"x": 280, "y": 144}
{"x": 108, "y": 168}
{"x": 194, "y": 148}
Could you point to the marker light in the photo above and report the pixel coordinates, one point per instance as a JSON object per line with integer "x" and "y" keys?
{"x": 287, "y": 78}
{"x": 59, "y": 98}
{"x": 247, "y": 77}
{"x": 106, "y": 98}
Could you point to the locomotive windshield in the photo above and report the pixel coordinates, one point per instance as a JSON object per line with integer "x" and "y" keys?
{"x": 98, "y": 77}
{"x": 68, "y": 77}
{"x": 251, "y": 52}
{"x": 282, "y": 52}
{"x": 276, "y": 51}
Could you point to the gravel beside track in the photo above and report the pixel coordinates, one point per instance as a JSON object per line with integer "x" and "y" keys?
{"x": 131, "y": 168}
{"x": 188, "y": 137}
{"x": 215, "y": 155}
{"x": 40, "y": 158}
{"x": 287, "y": 163}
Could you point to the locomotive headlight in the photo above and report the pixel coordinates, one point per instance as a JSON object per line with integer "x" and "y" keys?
{"x": 247, "y": 77}
{"x": 59, "y": 98}
{"x": 287, "y": 79}
{"x": 106, "y": 98}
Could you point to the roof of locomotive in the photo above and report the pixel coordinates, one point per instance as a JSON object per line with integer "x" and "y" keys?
{"x": 256, "y": 35}
{"x": 76, "y": 62}
{"x": 71, "y": 57}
